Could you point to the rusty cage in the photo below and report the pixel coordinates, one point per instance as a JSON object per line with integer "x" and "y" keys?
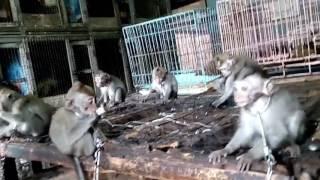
{"x": 182, "y": 43}
{"x": 282, "y": 35}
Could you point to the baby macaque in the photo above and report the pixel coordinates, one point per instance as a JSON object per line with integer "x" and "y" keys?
{"x": 112, "y": 89}
{"x": 283, "y": 120}
{"x": 234, "y": 68}
{"x": 71, "y": 125}
{"x": 27, "y": 115}
{"x": 164, "y": 84}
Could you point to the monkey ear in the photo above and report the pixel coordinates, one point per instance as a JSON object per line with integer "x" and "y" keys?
{"x": 69, "y": 104}
{"x": 268, "y": 87}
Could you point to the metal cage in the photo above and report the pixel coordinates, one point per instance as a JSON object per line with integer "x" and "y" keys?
{"x": 183, "y": 43}
{"x": 281, "y": 34}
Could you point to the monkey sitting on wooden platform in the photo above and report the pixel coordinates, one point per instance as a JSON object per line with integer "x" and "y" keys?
{"x": 112, "y": 89}
{"x": 28, "y": 115}
{"x": 71, "y": 126}
{"x": 164, "y": 84}
{"x": 234, "y": 68}
{"x": 263, "y": 106}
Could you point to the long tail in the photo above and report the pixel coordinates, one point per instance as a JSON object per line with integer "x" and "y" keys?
{"x": 78, "y": 168}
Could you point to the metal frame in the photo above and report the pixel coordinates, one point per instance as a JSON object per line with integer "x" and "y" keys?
{"x": 183, "y": 43}
{"x": 280, "y": 34}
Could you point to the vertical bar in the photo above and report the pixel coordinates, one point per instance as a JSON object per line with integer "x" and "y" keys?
{"x": 71, "y": 60}
{"x": 26, "y": 63}
{"x": 84, "y": 11}
{"x": 92, "y": 58}
{"x": 132, "y": 10}
{"x": 125, "y": 66}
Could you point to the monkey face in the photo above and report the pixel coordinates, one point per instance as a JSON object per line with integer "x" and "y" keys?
{"x": 224, "y": 63}
{"x": 159, "y": 75}
{"x": 97, "y": 80}
{"x": 89, "y": 106}
{"x": 7, "y": 98}
{"x": 249, "y": 89}
{"x": 82, "y": 104}
{"x": 225, "y": 66}
{"x": 102, "y": 79}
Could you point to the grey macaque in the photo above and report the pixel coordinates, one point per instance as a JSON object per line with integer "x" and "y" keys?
{"x": 27, "y": 115}
{"x": 112, "y": 89}
{"x": 164, "y": 84}
{"x": 71, "y": 124}
{"x": 282, "y": 118}
{"x": 234, "y": 68}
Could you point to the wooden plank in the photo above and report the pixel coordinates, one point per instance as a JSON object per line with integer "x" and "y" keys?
{"x": 137, "y": 161}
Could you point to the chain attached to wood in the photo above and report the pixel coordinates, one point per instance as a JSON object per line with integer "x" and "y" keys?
{"x": 97, "y": 157}
{"x": 267, "y": 151}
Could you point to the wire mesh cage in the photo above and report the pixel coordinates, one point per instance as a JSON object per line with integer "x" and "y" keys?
{"x": 281, "y": 34}
{"x": 41, "y": 13}
{"x": 12, "y": 68}
{"x": 182, "y": 43}
{"x": 50, "y": 65}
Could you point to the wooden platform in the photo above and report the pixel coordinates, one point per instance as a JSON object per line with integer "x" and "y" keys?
{"x": 167, "y": 142}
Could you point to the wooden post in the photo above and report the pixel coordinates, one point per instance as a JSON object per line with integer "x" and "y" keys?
{"x": 132, "y": 11}
{"x": 126, "y": 67}
{"x": 168, "y": 6}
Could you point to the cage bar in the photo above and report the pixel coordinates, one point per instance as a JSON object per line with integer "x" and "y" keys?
{"x": 183, "y": 43}
{"x": 280, "y": 34}
{"x": 49, "y": 59}
{"x": 12, "y": 66}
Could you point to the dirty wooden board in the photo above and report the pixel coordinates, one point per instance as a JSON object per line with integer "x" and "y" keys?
{"x": 176, "y": 146}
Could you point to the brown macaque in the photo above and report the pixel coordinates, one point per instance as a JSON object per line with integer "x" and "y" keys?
{"x": 281, "y": 114}
{"x": 27, "y": 115}
{"x": 71, "y": 125}
{"x": 112, "y": 89}
{"x": 234, "y": 68}
{"x": 164, "y": 84}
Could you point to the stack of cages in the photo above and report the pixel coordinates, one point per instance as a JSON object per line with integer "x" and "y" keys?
{"x": 282, "y": 35}
{"x": 183, "y": 43}
{"x": 46, "y": 65}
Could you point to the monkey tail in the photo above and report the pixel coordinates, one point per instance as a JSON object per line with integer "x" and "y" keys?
{"x": 78, "y": 168}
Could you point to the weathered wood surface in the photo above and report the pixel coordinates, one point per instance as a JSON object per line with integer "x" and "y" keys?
{"x": 164, "y": 141}
{"x": 138, "y": 161}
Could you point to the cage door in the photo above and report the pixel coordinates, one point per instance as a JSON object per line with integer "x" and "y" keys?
{"x": 12, "y": 67}
{"x": 83, "y": 69}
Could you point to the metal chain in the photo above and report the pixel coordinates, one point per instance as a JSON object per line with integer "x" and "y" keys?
{"x": 97, "y": 155}
{"x": 268, "y": 156}
{"x": 267, "y": 151}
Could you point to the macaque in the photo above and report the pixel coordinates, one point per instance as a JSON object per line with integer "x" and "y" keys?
{"x": 234, "y": 68}
{"x": 71, "y": 126}
{"x": 27, "y": 115}
{"x": 164, "y": 84}
{"x": 281, "y": 114}
{"x": 112, "y": 89}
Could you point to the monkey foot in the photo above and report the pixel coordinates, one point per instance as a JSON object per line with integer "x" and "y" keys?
{"x": 244, "y": 162}
{"x": 216, "y": 156}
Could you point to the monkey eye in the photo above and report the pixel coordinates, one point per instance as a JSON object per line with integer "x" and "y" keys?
{"x": 9, "y": 96}
{"x": 244, "y": 88}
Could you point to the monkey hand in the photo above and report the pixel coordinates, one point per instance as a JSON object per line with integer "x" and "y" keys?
{"x": 100, "y": 110}
{"x": 110, "y": 105}
{"x": 244, "y": 162}
{"x": 216, "y": 104}
{"x": 216, "y": 156}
